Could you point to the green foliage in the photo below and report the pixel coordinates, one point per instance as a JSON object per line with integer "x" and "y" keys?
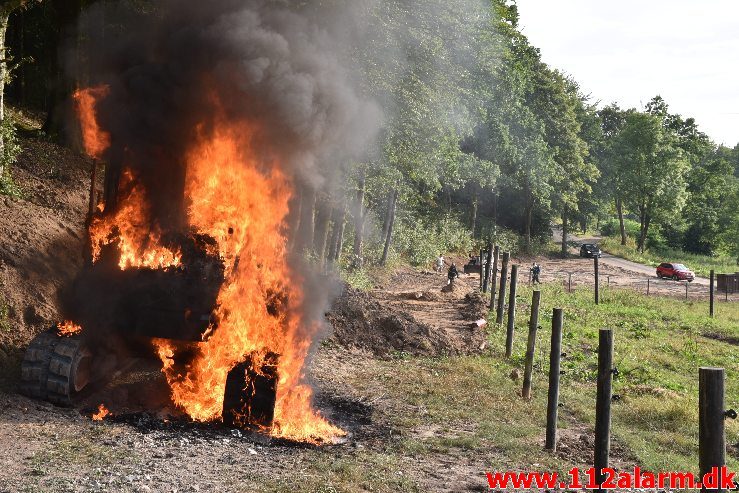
{"x": 357, "y": 278}
{"x": 10, "y": 150}
{"x": 421, "y": 241}
{"x": 653, "y": 170}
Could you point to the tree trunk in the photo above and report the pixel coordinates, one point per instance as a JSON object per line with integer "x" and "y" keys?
{"x": 390, "y": 224}
{"x": 622, "y": 228}
{"x": 3, "y": 76}
{"x": 307, "y": 220}
{"x": 320, "y": 236}
{"x": 386, "y": 220}
{"x": 339, "y": 245}
{"x": 474, "y": 215}
{"x": 565, "y": 227}
{"x": 644, "y": 229}
{"x": 333, "y": 237}
{"x": 359, "y": 220}
{"x": 528, "y": 213}
{"x": 642, "y": 223}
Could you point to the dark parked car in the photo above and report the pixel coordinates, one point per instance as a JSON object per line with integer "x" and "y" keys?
{"x": 590, "y": 250}
{"x": 678, "y": 272}
{"x": 474, "y": 265}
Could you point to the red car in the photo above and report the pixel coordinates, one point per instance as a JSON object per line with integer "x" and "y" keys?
{"x": 678, "y": 272}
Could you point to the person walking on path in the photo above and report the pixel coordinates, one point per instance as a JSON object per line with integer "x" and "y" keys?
{"x": 535, "y": 271}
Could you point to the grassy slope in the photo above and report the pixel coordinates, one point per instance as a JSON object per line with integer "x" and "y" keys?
{"x": 660, "y": 344}
{"x": 700, "y": 264}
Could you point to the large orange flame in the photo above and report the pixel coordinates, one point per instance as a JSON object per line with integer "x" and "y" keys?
{"x": 138, "y": 241}
{"x": 243, "y": 206}
{"x": 95, "y": 140}
{"x": 242, "y": 203}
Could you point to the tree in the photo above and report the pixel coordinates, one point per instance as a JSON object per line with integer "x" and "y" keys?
{"x": 561, "y": 108}
{"x": 7, "y": 7}
{"x": 653, "y": 170}
{"x": 611, "y": 185}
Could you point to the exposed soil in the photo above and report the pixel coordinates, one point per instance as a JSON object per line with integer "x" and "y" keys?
{"x": 578, "y": 272}
{"x": 42, "y": 236}
{"x": 416, "y": 317}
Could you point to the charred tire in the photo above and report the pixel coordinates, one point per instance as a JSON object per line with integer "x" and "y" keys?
{"x": 69, "y": 370}
{"x": 35, "y": 365}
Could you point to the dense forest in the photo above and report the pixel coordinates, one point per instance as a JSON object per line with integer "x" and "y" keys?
{"x": 480, "y": 139}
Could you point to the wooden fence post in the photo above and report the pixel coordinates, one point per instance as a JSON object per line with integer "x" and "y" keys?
{"x": 501, "y": 293}
{"x": 531, "y": 345}
{"x": 712, "y": 441}
{"x": 488, "y": 262}
{"x": 603, "y": 404}
{"x": 555, "y": 353}
{"x": 511, "y": 312}
{"x": 710, "y": 308}
{"x": 494, "y": 276}
{"x": 597, "y": 287}
{"x": 482, "y": 271}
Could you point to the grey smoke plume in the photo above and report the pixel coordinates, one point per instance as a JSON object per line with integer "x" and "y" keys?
{"x": 264, "y": 63}
{"x": 278, "y": 68}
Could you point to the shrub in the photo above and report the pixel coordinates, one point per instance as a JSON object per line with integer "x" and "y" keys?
{"x": 422, "y": 240}
{"x": 8, "y": 156}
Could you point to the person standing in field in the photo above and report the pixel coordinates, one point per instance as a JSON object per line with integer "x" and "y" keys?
{"x": 535, "y": 271}
{"x": 452, "y": 274}
{"x": 440, "y": 263}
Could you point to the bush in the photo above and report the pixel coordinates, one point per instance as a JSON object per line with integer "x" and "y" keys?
{"x": 11, "y": 149}
{"x": 421, "y": 241}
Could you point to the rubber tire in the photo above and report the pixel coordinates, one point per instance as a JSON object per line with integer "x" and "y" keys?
{"x": 674, "y": 278}
{"x": 35, "y": 364}
{"x": 69, "y": 355}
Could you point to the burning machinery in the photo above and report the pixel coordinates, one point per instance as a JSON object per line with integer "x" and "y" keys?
{"x": 124, "y": 307}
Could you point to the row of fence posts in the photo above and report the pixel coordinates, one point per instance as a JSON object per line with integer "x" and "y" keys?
{"x": 712, "y": 413}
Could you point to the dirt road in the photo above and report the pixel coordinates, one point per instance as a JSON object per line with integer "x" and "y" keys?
{"x": 608, "y": 259}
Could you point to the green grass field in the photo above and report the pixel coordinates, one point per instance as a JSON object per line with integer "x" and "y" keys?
{"x": 659, "y": 345}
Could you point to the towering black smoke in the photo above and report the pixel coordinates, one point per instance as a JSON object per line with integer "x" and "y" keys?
{"x": 175, "y": 72}
{"x": 257, "y": 61}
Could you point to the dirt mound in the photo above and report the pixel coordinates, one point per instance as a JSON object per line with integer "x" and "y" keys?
{"x": 475, "y": 306}
{"x": 418, "y": 295}
{"x": 42, "y": 235}
{"x": 361, "y": 321}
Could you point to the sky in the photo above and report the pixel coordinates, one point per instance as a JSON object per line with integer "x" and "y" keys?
{"x": 628, "y": 51}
